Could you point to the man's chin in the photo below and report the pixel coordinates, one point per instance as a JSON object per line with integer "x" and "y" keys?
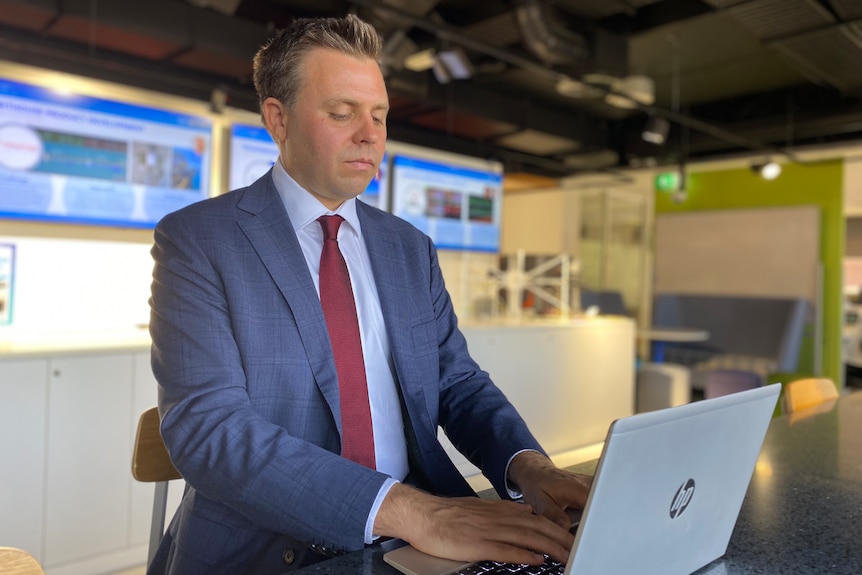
{"x": 355, "y": 189}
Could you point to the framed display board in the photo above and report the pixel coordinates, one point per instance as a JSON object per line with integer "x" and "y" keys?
{"x": 762, "y": 252}
{"x": 80, "y": 159}
{"x": 458, "y": 206}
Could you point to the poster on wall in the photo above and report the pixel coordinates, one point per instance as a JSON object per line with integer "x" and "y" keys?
{"x": 7, "y": 276}
{"x": 377, "y": 192}
{"x": 253, "y": 152}
{"x": 459, "y": 207}
{"x": 86, "y": 160}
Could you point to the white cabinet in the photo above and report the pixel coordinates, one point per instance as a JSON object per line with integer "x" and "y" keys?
{"x": 23, "y": 401}
{"x": 67, "y": 427}
{"x": 87, "y": 494}
{"x": 568, "y": 379}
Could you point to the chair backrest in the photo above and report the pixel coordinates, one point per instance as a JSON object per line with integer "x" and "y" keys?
{"x": 724, "y": 381}
{"x": 150, "y": 459}
{"x": 18, "y": 562}
{"x": 804, "y": 393}
{"x": 152, "y": 464}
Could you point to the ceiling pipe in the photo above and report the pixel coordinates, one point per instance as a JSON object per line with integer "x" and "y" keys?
{"x": 392, "y": 15}
{"x": 389, "y": 21}
{"x": 547, "y": 42}
{"x": 719, "y": 133}
{"x": 446, "y": 33}
{"x": 227, "y": 7}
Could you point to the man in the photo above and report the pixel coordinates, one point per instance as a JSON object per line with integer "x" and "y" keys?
{"x": 249, "y": 374}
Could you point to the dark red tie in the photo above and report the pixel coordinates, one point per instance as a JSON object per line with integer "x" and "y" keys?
{"x": 336, "y": 298}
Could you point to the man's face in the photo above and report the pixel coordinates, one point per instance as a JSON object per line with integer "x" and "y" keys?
{"x": 335, "y": 135}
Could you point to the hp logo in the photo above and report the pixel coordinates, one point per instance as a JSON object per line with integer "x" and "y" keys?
{"x": 681, "y": 499}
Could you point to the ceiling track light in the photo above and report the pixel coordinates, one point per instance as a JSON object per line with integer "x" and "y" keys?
{"x": 456, "y": 63}
{"x": 656, "y": 130}
{"x": 420, "y": 61}
{"x": 768, "y": 171}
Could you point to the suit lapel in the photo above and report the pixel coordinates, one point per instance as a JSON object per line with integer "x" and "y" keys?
{"x": 384, "y": 248}
{"x": 265, "y": 223}
{"x": 385, "y": 251}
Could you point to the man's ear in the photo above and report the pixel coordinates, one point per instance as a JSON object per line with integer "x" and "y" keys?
{"x": 275, "y": 118}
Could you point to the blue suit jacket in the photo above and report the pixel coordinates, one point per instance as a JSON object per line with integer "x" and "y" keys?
{"x": 248, "y": 392}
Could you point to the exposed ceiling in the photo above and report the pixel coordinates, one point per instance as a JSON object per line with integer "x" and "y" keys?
{"x": 730, "y": 75}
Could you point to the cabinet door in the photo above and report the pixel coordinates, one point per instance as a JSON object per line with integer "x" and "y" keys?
{"x": 87, "y": 495}
{"x": 23, "y": 388}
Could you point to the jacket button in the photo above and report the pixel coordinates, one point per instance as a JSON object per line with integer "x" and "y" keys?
{"x": 288, "y": 556}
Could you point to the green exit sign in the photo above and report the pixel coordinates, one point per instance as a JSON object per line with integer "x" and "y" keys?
{"x": 667, "y": 182}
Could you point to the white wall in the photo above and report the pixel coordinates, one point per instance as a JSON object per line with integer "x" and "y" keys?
{"x": 77, "y": 285}
{"x": 538, "y": 222}
{"x": 853, "y": 184}
{"x": 73, "y": 286}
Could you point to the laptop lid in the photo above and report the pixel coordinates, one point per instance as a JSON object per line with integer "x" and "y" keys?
{"x": 670, "y": 484}
{"x": 667, "y": 490}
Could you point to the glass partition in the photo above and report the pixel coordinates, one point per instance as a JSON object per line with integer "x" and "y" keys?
{"x": 614, "y": 246}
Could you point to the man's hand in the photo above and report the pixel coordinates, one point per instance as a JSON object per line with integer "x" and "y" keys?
{"x": 469, "y": 528}
{"x": 548, "y": 489}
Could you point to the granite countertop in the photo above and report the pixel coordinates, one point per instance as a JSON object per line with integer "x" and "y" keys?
{"x": 802, "y": 513}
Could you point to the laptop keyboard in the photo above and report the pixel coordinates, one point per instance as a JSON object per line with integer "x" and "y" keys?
{"x": 549, "y": 567}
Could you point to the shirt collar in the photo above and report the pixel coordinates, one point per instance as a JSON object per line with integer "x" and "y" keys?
{"x": 304, "y": 208}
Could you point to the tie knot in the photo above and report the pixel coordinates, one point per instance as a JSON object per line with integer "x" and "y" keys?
{"x": 330, "y": 225}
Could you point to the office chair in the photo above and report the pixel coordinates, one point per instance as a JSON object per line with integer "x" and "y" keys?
{"x": 18, "y": 562}
{"x": 804, "y": 393}
{"x": 152, "y": 464}
{"x": 720, "y": 382}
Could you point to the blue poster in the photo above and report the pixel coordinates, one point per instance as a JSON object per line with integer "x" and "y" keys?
{"x": 79, "y": 159}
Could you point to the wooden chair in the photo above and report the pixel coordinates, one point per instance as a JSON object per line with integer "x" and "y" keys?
{"x": 808, "y": 392}
{"x": 152, "y": 464}
{"x": 18, "y": 562}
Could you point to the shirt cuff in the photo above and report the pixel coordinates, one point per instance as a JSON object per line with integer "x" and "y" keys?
{"x": 513, "y": 490}
{"x": 372, "y": 515}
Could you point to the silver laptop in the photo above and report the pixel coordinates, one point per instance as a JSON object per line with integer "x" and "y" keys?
{"x": 667, "y": 490}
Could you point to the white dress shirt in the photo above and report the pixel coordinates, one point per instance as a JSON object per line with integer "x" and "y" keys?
{"x": 390, "y": 446}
